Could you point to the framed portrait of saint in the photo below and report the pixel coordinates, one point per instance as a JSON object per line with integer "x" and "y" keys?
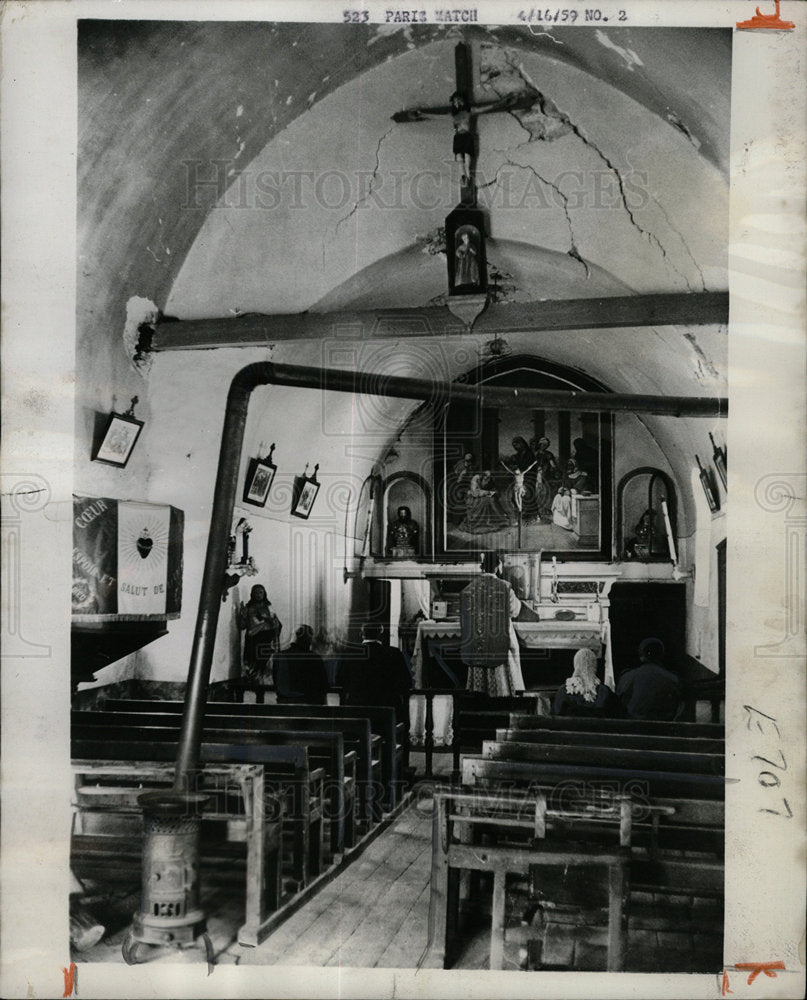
{"x": 120, "y": 436}
{"x": 305, "y": 493}
{"x": 260, "y": 474}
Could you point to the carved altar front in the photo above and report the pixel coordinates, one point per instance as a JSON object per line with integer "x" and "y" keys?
{"x": 568, "y": 604}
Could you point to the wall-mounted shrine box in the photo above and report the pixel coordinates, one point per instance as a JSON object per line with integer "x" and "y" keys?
{"x": 127, "y": 578}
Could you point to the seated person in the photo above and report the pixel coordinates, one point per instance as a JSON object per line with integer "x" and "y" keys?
{"x": 375, "y": 674}
{"x": 650, "y": 691}
{"x": 300, "y": 673}
{"x": 583, "y": 694}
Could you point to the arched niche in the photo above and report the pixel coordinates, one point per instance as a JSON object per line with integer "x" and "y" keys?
{"x": 406, "y": 489}
{"x": 641, "y": 526}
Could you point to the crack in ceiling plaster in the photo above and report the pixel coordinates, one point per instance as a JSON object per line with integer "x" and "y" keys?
{"x": 373, "y": 177}
{"x": 573, "y": 251}
{"x": 503, "y": 73}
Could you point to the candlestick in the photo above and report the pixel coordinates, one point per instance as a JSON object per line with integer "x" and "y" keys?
{"x": 670, "y": 539}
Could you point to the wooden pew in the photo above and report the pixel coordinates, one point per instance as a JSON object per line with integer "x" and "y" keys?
{"x": 661, "y": 827}
{"x": 567, "y": 774}
{"x": 647, "y": 727}
{"x": 381, "y": 719}
{"x": 605, "y": 756}
{"x": 356, "y": 733}
{"x": 479, "y": 770}
{"x": 325, "y": 749}
{"x": 571, "y": 737}
{"x": 474, "y": 718}
{"x": 286, "y": 775}
{"x": 112, "y": 788}
{"x": 457, "y": 813}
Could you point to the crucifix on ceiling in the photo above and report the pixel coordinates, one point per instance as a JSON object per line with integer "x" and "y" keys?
{"x": 465, "y": 225}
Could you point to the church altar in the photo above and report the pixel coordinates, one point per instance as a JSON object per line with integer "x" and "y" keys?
{"x": 547, "y": 633}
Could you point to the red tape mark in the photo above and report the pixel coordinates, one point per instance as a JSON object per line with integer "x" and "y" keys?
{"x": 757, "y": 967}
{"x": 70, "y": 980}
{"x": 724, "y": 989}
{"x": 773, "y": 22}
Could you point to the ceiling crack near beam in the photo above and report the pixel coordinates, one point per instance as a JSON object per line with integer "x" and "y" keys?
{"x": 549, "y": 109}
{"x": 373, "y": 178}
{"x": 572, "y": 252}
{"x": 684, "y": 243}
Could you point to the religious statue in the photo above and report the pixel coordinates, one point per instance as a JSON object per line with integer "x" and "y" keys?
{"x": 403, "y": 536}
{"x": 641, "y": 545}
{"x": 262, "y": 639}
{"x": 466, "y": 256}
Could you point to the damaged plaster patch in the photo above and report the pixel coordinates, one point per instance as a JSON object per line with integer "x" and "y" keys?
{"x": 705, "y": 370}
{"x": 502, "y": 285}
{"x": 138, "y": 312}
{"x": 385, "y": 30}
{"x": 682, "y": 127}
{"x": 501, "y": 72}
{"x": 433, "y": 242}
{"x": 628, "y": 56}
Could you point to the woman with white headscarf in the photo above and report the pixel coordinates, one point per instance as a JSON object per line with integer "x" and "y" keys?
{"x": 583, "y": 693}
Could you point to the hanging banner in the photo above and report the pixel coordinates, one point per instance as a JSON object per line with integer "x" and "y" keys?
{"x": 127, "y": 559}
{"x": 142, "y": 558}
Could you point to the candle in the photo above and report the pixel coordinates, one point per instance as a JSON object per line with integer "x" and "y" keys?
{"x": 670, "y": 539}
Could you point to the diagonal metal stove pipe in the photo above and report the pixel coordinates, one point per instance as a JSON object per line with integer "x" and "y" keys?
{"x": 364, "y": 383}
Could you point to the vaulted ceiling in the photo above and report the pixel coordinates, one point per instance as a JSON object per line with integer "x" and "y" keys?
{"x": 226, "y": 168}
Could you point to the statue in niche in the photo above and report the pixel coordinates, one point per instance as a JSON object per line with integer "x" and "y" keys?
{"x": 641, "y": 545}
{"x": 466, "y": 255}
{"x": 403, "y": 536}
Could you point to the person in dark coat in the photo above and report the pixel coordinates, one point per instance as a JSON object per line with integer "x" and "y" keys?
{"x": 300, "y": 673}
{"x": 583, "y": 694}
{"x": 376, "y": 674}
{"x": 650, "y": 691}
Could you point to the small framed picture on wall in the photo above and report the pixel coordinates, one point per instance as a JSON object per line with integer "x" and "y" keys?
{"x": 305, "y": 493}
{"x": 120, "y": 436}
{"x": 260, "y": 474}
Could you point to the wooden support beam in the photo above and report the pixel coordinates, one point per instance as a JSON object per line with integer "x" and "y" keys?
{"x": 257, "y": 330}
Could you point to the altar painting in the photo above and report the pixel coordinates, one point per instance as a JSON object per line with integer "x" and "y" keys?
{"x": 519, "y": 479}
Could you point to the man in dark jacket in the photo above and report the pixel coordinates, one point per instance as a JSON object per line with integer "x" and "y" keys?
{"x": 650, "y": 691}
{"x": 376, "y": 674}
{"x": 300, "y": 673}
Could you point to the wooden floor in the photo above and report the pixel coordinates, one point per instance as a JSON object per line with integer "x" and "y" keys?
{"x": 373, "y": 914}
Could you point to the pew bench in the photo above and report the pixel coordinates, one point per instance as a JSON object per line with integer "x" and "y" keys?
{"x": 287, "y": 775}
{"x": 459, "y": 815}
{"x": 474, "y": 717}
{"x": 356, "y": 730}
{"x": 509, "y": 835}
{"x": 609, "y": 756}
{"x": 382, "y": 721}
{"x": 572, "y": 737}
{"x": 251, "y": 816}
{"x": 647, "y": 727}
{"x": 324, "y": 750}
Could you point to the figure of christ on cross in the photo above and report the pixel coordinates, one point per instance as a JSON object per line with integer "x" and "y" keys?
{"x": 464, "y": 113}
{"x": 519, "y": 487}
